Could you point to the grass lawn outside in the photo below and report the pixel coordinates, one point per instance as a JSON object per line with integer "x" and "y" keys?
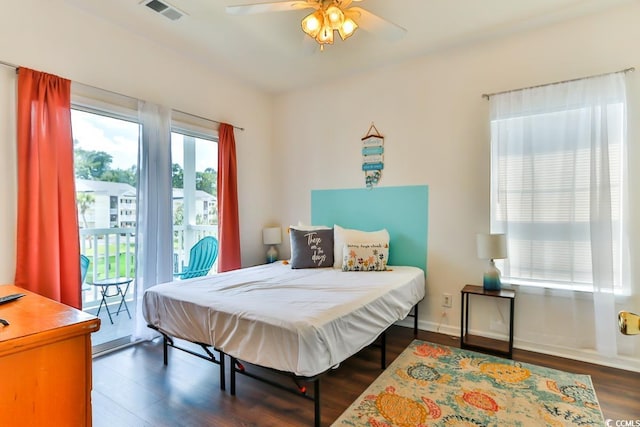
{"x": 102, "y": 267}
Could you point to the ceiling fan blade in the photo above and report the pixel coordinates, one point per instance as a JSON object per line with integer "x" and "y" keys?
{"x": 374, "y": 24}
{"x": 278, "y": 6}
{"x": 345, "y": 3}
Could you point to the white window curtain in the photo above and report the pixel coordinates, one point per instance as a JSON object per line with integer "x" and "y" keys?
{"x": 154, "y": 234}
{"x": 558, "y": 190}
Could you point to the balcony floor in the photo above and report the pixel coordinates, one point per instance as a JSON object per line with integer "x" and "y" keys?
{"x": 122, "y": 326}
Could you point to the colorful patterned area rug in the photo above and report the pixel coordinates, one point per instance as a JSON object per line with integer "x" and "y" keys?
{"x": 436, "y": 385}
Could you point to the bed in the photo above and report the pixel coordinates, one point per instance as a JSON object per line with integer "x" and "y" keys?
{"x": 302, "y": 322}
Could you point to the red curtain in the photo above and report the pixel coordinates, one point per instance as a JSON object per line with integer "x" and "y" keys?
{"x": 48, "y": 248}
{"x": 228, "y": 220}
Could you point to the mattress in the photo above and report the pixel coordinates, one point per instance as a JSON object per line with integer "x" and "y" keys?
{"x": 300, "y": 321}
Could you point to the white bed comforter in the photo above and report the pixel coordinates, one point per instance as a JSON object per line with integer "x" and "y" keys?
{"x": 300, "y": 321}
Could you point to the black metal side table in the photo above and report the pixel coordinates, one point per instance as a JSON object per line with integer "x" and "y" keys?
{"x": 118, "y": 283}
{"x": 474, "y": 342}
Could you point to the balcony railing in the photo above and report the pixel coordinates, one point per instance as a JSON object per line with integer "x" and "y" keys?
{"x": 111, "y": 252}
{"x": 184, "y": 238}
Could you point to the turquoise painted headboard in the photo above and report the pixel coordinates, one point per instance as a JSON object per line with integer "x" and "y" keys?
{"x": 403, "y": 211}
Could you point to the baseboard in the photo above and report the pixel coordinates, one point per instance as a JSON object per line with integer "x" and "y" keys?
{"x": 588, "y": 356}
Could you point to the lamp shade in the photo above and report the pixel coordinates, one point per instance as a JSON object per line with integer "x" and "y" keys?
{"x": 312, "y": 24}
{"x": 347, "y": 28}
{"x": 272, "y": 236}
{"x": 325, "y": 36}
{"x": 334, "y": 16}
{"x": 491, "y": 246}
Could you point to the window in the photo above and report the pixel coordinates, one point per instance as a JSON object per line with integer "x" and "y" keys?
{"x": 557, "y": 184}
{"x": 194, "y": 174}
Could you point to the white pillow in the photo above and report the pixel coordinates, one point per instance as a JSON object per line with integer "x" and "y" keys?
{"x": 347, "y": 235}
{"x": 365, "y": 256}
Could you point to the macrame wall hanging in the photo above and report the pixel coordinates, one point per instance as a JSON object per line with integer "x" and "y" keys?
{"x": 372, "y": 156}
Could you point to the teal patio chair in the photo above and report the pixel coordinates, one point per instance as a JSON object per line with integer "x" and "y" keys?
{"x": 84, "y": 267}
{"x": 201, "y": 258}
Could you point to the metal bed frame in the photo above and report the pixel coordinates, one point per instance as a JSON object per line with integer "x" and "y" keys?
{"x": 167, "y": 341}
{"x": 236, "y": 367}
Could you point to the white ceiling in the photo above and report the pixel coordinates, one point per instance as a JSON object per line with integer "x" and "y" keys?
{"x": 271, "y": 52}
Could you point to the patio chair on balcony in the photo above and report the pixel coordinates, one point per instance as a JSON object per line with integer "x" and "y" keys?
{"x": 84, "y": 267}
{"x": 202, "y": 256}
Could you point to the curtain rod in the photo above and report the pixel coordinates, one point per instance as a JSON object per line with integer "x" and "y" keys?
{"x": 489, "y": 95}
{"x": 10, "y": 65}
{"x": 204, "y": 118}
{"x": 17, "y": 67}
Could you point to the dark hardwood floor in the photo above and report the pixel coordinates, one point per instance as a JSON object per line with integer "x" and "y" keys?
{"x": 132, "y": 387}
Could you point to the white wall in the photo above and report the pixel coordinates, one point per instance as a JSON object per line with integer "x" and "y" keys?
{"x": 54, "y": 37}
{"x": 435, "y": 124}
{"x": 8, "y": 174}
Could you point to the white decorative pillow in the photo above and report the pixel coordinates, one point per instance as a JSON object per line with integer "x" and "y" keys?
{"x": 346, "y": 235}
{"x": 365, "y": 256}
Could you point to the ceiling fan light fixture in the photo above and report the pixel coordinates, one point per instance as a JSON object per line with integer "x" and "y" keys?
{"x": 325, "y": 36}
{"x": 334, "y": 16}
{"x": 330, "y": 16}
{"x": 313, "y": 23}
{"x": 347, "y": 28}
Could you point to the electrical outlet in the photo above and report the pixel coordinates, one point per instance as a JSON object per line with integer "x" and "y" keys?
{"x": 447, "y": 300}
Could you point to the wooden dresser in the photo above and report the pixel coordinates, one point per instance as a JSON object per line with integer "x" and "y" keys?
{"x": 45, "y": 362}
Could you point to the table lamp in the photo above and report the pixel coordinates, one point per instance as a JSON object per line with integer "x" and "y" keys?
{"x": 272, "y": 236}
{"x": 491, "y": 246}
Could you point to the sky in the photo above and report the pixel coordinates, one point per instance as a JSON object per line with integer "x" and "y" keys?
{"x": 119, "y": 138}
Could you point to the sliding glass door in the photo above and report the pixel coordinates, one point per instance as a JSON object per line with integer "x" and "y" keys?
{"x": 106, "y": 150}
{"x": 106, "y": 154}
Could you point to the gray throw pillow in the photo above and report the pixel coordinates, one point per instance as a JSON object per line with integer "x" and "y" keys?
{"x": 311, "y": 248}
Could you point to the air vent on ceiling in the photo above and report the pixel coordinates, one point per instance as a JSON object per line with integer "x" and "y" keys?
{"x": 164, "y": 9}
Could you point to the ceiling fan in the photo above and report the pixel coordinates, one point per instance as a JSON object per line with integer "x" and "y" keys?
{"x": 329, "y": 16}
